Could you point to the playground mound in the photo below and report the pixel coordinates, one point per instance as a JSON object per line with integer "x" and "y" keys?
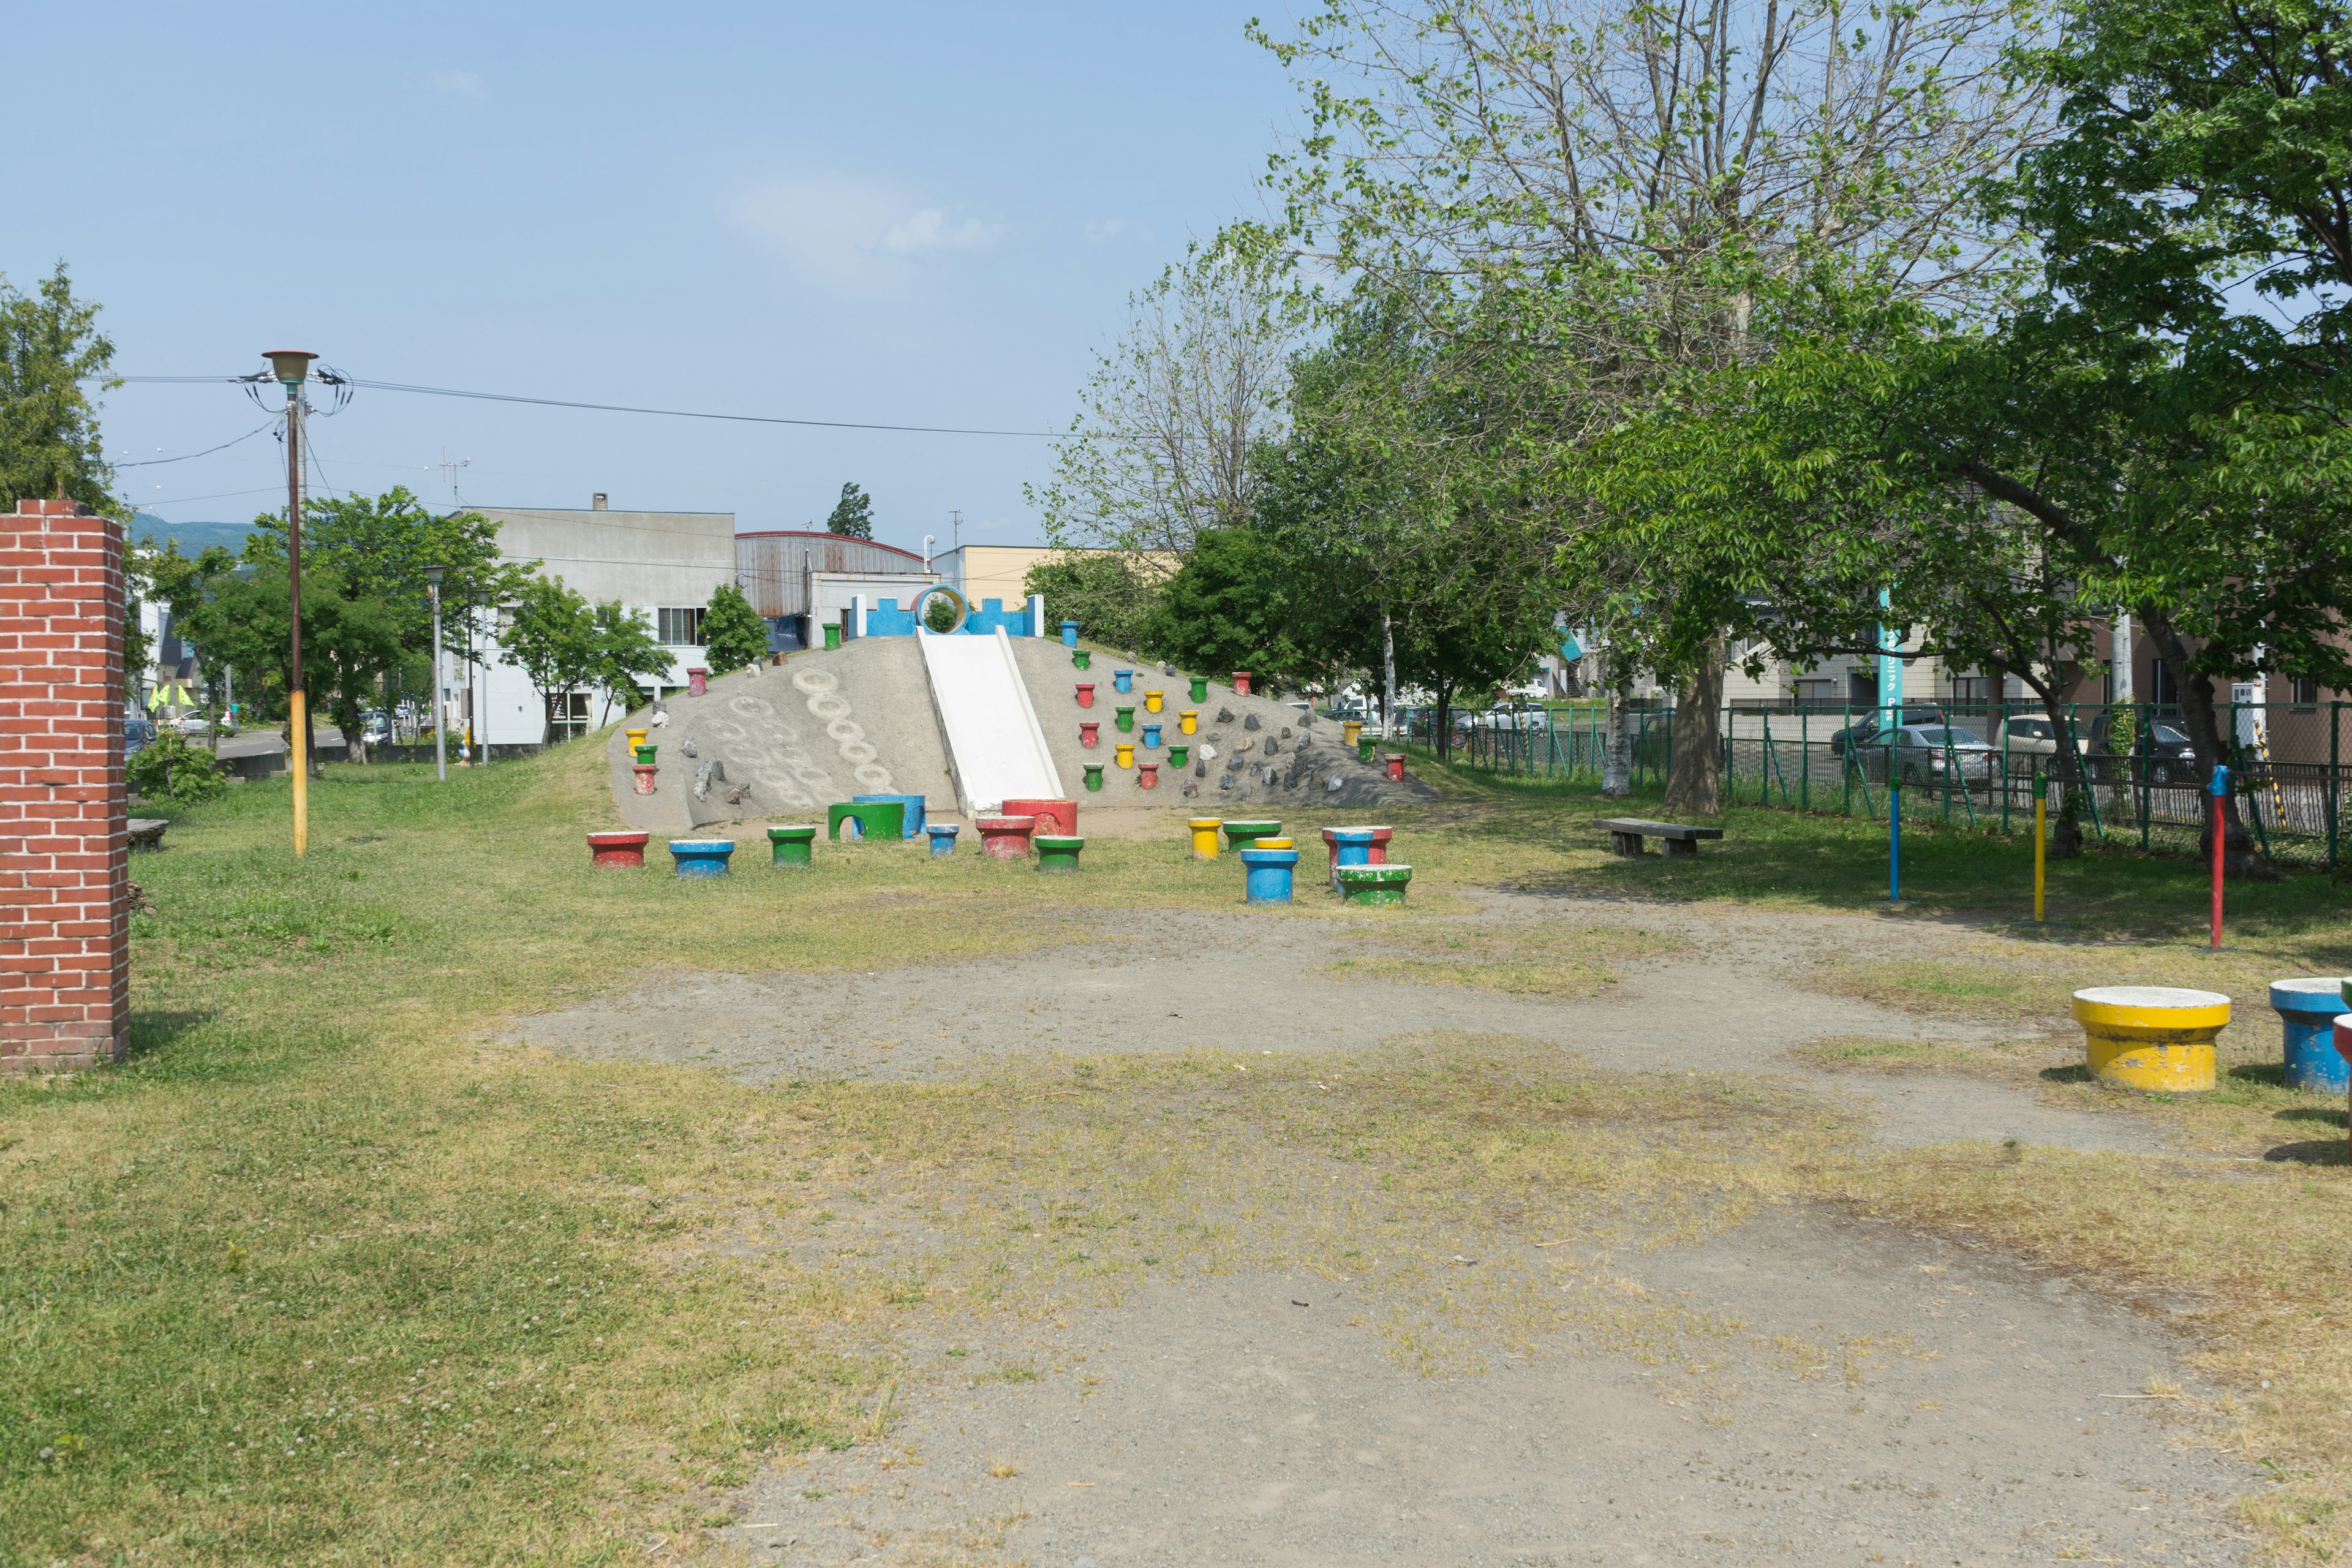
{"x": 784, "y": 742}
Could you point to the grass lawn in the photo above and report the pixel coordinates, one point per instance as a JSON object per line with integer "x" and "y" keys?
{"x": 327, "y": 1274}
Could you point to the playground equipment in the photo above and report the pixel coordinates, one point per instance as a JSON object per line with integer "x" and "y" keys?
{"x": 1240, "y": 682}
{"x": 636, "y": 738}
{"x": 1122, "y": 681}
{"x": 792, "y": 845}
{"x": 701, "y": 856}
{"x": 832, "y": 635}
{"x": 1189, "y": 721}
{"x": 1348, "y": 847}
{"x": 644, "y": 775}
{"x": 698, "y": 683}
{"x": 995, "y": 750}
{"x": 1147, "y": 775}
{"x": 1084, "y": 658}
{"x": 867, "y": 818}
{"x": 1364, "y": 744}
{"x": 1373, "y": 884}
{"x": 1266, "y": 877}
{"x": 1152, "y": 701}
{"x": 1350, "y": 729}
{"x": 1200, "y": 694}
{"x": 1069, "y": 633}
{"x": 1094, "y": 775}
{"x": 1151, "y": 737}
{"x": 1204, "y": 835}
{"x": 1085, "y": 693}
{"x": 1179, "y": 757}
{"x": 1123, "y": 753}
{"x": 617, "y": 849}
{"x": 1052, "y": 815}
{"x": 2153, "y": 1037}
{"x": 2341, "y": 1033}
{"x": 2307, "y": 1011}
{"x": 643, "y": 754}
{"x": 1057, "y": 851}
{"x": 943, "y": 838}
{"x": 1123, "y": 720}
{"x": 1090, "y": 734}
{"x": 1243, "y": 835}
{"x": 913, "y": 825}
{"x": 1282, "y": 842}
{"x": 1396, "y": 766}
{"x": 1004, "y": 837}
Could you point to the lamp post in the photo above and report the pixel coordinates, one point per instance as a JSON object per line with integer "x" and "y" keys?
{"x": 440, "y": 699}
{"x": 293, "y": 367}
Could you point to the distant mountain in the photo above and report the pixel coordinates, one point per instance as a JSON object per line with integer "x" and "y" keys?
{"x": 194, "y": 537}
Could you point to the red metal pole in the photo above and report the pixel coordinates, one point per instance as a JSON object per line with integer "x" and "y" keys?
{"x": 2217, "y": 873}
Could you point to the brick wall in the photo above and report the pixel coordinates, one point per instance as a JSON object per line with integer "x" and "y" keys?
{"x": 65, "y": 948}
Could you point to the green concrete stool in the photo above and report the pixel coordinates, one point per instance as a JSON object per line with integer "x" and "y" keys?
{"x": 878, "y": 819}
{"x": 1094, "y": 776}
{"x": 1245, "y": 834}
{"x": 1082, "y": 659}
{"x": 1057, "y": 851}
{"x": 793, "y": 847}
{"x": 1125, "y": 720}
{"x": 1373, "y": 884}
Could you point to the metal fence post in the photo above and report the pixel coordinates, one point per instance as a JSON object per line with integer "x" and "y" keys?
{"x": 2335, "y": 721}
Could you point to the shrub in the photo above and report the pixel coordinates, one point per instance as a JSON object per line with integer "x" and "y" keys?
{"x": 171, "y": 769}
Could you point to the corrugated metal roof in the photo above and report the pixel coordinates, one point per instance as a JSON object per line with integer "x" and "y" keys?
{"x": 773, "y": 566}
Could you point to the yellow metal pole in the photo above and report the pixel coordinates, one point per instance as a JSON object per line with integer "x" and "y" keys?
{"x": 301, "y": 772}
{"x": 2041, "y": 839}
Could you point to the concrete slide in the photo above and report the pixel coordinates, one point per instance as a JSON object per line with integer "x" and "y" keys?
{"x": 995, "y": 750}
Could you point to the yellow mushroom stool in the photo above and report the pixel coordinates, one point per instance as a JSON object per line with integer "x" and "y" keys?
{"x": 2154, "y": 1037}
{"x": 1126, "y": 753}
{"x": 1152, "y": 701}
{"x": 1272, "y": 844}
{"x": 1189, "y": 721}
{"x": 1204, "y": 835}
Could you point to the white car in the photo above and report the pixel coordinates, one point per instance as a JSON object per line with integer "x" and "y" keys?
{"x": 2028, "y": 735}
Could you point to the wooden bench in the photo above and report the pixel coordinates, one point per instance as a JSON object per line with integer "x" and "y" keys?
{"x": 147, "y": 832}
{"x": 1626, "y": 832}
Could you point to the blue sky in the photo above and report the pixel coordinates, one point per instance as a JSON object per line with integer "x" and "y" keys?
{"x": 904, "y": 214}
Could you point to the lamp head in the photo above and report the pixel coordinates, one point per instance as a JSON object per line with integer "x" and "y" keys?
{"x": 292, "y": 366}
{"x": 433, "y": 575}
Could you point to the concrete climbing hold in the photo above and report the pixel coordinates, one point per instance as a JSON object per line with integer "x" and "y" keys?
{"x": 644, "y": 753}
{"x": 1151, "y": 737}
{"x": 1266, "y": 874}
{"x": 1209, "y": 749}
{"x": 1241, "y": 834}
{"x": 944, "y": 837}
{"x": 1085, "y": 693}
{"x": 1200, "y": 688}
{"x": 1091, "y": 734}
{"x": 1083, "y": 660}
{"x": 1240, "y": 682}
{"x": 2156, "y": 1037}
{"x": 1123, "y": 719}
{"x": 687, "y": 747}
{"x": 701, "y": 856}
{"x": 1052, "y": 815}
{"x": 1004, "y": 837}
{"x": 1244, "y": 748}
{"x": 1271, "y": 745}
{"x": 635, "y": 737}
{"x": 1179, "y": 757}
{"x": 1147, "y": 775}
{"x": 1189, "y": 721}
{"x": 1286, "y": 732}
{"x": 1374, "y": 884}
{"x": 644, "y": 772}
{"x": 697, "y": 683}
{"x": 883, "y": 819}
{"x": 1334, "y": 784}
{"x": 1094, "y": 775}
{"x": 1124, "y": 754}
{"x": 1153, "y": 700}
{"x": 1225, "y": 781}
{"x": 1058, "y": 852}
{"x": 617, "y": 849}
{"x": 1123, "y": 680}
{"x": 795, "y": 845}
{"x": 1200, "y": 769}
{"x": 913, "y": 822}
{"x": 1250, "y": 723}
{"x": 1069, "y": 633}
{"x": 2307, "y": 1011}
{"x": 1204, "y": 836}
{"x": 1190, "y": 790}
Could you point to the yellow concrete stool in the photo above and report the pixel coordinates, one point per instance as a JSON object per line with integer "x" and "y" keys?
{"x": 1272, "y": 844}
{"x": 1124, "y": 752}
{"x": 2156, "y": 1037}
{"x": 1204, "y": 835}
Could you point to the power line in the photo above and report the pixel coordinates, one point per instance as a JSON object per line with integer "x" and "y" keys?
{"x": 632, "y": 408}
{"x": 224, "y": 446}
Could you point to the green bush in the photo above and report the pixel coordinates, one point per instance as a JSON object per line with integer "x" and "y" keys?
{"x": 171, "y": 769}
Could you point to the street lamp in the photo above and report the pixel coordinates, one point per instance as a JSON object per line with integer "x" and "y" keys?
{"x": 293, "y": 367}
{"x": 440, "y": 699}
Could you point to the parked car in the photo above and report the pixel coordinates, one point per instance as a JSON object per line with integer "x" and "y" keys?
{"x": 375, "y": 727}
{"x": 192, "y": 725}
{"x": 2161, "y": 754}
{"x": 1537, "y": 719}
{"x": 138, "y": 731}
{"x": 1934, "y": 754}
{"x": 2031, "y": 735}
{"x": 1864, "y": 731}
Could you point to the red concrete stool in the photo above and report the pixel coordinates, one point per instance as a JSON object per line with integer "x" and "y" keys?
{"x": 1006, "y": 838}
{"x": 1057, "y": 817}
{"x": 617, "y": 849}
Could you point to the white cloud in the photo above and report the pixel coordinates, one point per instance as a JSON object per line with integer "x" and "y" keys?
{"x": 457, "y": 84}
{"x": 837, "y": 224}
{"x": 1103, "y": 230}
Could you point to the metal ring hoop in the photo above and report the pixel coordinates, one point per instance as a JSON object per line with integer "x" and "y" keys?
{"x": 963, "y": 608}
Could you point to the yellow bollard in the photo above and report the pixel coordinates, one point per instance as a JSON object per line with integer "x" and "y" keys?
{"x": 1189, "y": 721}
{"x": 2153, "y": 1038}
{"x": 1204, "y": 835}
{"x": 1151, "y": 702}
{"x": 1127, "y": 753}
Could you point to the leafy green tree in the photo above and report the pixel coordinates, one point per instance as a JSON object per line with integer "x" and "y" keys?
{"x": 51, "y": 354}
{"x": 733, "y": 635}
{"x": 168, "y": 768}
{"x": 551, "y": 636}
{"x": 242, "y": 620}
{"x": 1228, "y": 607}
{"x": 853, "y": 514}
{"x": 626, "y": 652}
{"x": 1111, "y": 597}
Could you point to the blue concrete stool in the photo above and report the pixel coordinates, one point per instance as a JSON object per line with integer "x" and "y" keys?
{"x": 1069, "y": 633}
{"x": 1151, "y": 737}
{"x": 913, "y": 825}
{"x": 701, "y": 856}
{"x": 1123, "y": 679}
{"x": 1266, "y": 874}
{"x": 944, "y": 837}
{"x": 1350, "y": 847}
{"x": 2309, "y": 1008}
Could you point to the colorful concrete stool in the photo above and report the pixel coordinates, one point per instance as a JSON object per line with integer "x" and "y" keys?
{"x": 1204, "y": 835}
{"x": 644, "y": 755}
{"x": 1351, "y": 730}
{"x": 1004, "y": 837}
{"x": 2307, "y": 1010}
{"x": 1241, "y": 683}
{"x": 1200, "y": 694}
{"x": 701, "y": 856}
{"x": 617, "y": 849}
{"x": 1381, "y": 837}
{"x": 1094, "y": 775}
{"x": 914, "y": 804}
{"x": 2153, "y": 1037}
{"x": 2343, "y": 1034}
{"x": 1122, "y": 680}
{"x": 1396, "y": 766}
{"x": 1265, "y": 879}
{"x": 867, "y": 818}
{"x": 1350, "y": 847}
{"x": 1282, "y": 842}
{"x": 1052, "y": 815}
{"x": 944, "y": 837}
{"x": 1241, "y": 834}
{"x": 1123, "y": 753}
{"x": 1069, "y": 633}
{"x": 1123, "y": 720}
{"x": 1084, "y": 658}
{"x": 1057, "y": 851}
{"x": 1189, "y": 721}
{"x": 1085, "y": 693}
{"x": 1364, "y": 748}
{"x": 1151, "y": 737}
{"x": 1090, "y": 734}
{"x": 1152, "y": 701}
{"x": 1179, "y": 757}
{"x": 1373, "y": 884}
{"x": 792, "y": 845}
{"x": 645, "y": 772}
{"x": 698, "y": 683}
{"x": 1147, "y": 775}
{"x": 635, "y": 737}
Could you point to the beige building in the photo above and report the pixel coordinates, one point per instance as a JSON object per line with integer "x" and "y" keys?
{"x": 981, "y": 572}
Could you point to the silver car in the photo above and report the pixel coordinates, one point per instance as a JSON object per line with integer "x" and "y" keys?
{"x": 1930, "y": 755}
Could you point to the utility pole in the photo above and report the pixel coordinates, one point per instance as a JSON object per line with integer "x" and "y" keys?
{"x": 293, "y": 367}
{"x": 955, "y": 519}
{"x": 440, "y": 696}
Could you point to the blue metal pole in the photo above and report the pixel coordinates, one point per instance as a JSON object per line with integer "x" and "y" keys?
{"x": 1890, "y": 696}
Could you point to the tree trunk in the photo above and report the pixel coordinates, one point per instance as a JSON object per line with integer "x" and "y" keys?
{"x": 1441, "y": 738}
{"x": 2066, "y": 767}
{"x": 1617, "y": 756}
{"x": 2239, "y": 857}
{"x": 353, "y": 726}
{"x": 1694, "y": 781}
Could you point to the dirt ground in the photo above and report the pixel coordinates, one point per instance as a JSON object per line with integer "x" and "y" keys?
{"x": 1817, "y": 1388}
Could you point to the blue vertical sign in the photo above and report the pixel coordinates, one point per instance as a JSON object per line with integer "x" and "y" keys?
{"x": 1890, "y": 707}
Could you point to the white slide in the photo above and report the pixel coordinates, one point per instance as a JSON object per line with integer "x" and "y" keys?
{"x": 996, "y": 752}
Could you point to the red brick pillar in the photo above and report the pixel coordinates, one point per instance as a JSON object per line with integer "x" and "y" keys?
{"x": 65, "y": 939}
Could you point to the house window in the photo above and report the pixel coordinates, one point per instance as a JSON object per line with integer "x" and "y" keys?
{"x": 568, "y": 717}
{"x": 1817, "y": 693}
{"x": 1969, "y": 688}
{"x": 680, "y": 628}
{"x": 2303, "y": 693}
